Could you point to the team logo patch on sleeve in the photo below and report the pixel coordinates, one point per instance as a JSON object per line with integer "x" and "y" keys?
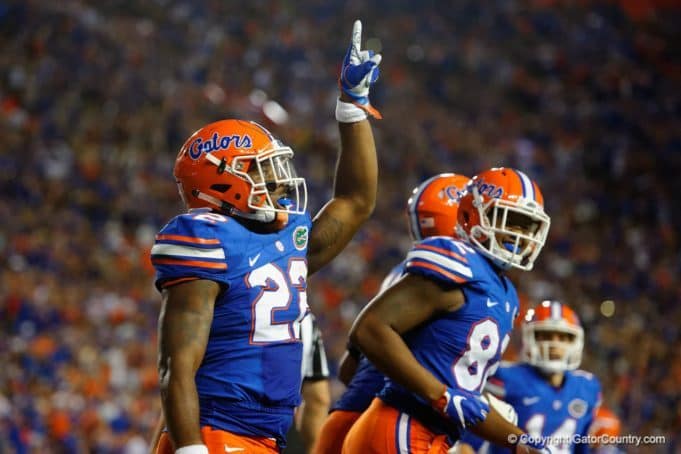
{"x": 577, "y": 408}
{"x": 300, "y": 238}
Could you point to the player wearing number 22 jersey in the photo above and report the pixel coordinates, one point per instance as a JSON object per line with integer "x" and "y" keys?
{"x": 232, "y": 272}
{"x": 256, "y": 319}
{"x": 439, "y": 331}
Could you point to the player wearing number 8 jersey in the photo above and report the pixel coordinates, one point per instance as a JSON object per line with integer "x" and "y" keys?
{"x": 431, "y": 211}
{"x": 441, "y": 329}
{"x": 233, "y": 272}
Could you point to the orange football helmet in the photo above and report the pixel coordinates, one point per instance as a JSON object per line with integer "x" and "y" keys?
{"x": 240, "y": 169}
{"x": 605, "y": 423}
{"x": 552, "y": 317}
{"x": 433, "y": 206}
{"x": 501, "y": 214}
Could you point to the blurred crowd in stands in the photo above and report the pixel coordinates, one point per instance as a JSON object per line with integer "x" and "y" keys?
{"x": 96, "y": 98}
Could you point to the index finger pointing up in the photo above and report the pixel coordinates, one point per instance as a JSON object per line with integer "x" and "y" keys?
{"x": 357, "y": 35}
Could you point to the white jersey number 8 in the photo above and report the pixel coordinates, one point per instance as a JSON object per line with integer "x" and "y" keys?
{"x": 478, "y": 361}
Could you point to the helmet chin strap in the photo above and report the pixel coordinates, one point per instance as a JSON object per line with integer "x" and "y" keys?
{"x": 258, "y": 215}
{"x": 264, "y": 216}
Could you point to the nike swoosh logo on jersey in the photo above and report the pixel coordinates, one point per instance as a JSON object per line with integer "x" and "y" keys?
{"x": 252, "y": 260}
{"x": 491, "y": 303}
{"x": 228, "y": 449}
{"x": 530, "y": 400}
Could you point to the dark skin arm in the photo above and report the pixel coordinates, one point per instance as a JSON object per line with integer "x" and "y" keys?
{"x": 347, "y": 368}
{"x": 496, "y": 429}
{"x": 184, "y": 325}
{"x": 354, "y": 195}
{"x": 378, "y": 329}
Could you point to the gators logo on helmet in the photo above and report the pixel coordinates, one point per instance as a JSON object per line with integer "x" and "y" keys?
{"x": 238, "y": 167}
{"x": 502, "y": 215}
{"x": 433, "y": 206}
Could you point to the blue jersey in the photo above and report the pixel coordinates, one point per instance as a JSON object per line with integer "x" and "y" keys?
{"x": 362, "y": 389}
{"x": 543, "y": 410}
{"x": 368, "y": 380}
{"x": 463, "y": 347}
{"x": 250, "y": 377}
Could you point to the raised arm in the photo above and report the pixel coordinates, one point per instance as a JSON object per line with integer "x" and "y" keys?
{"x": 184, "y": 325}
{"x": 355, "y": 181}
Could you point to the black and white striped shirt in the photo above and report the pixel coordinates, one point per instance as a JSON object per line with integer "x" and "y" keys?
{"x": 314, "y": 365}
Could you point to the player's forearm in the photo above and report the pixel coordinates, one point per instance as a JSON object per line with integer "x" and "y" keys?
{"x": 347, "y": 368}
{"x": 184, "y": 326}
{"x": 496, "y": 429}
{"x": 181, "y": 408}
{"x": 386, "y": 349}
{"x": 357, "y": 170}
{"x": 356, "y": 173}
{"x": 316, "y": 402}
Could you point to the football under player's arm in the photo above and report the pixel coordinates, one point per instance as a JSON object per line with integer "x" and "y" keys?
{"x": 378, "y": 328}
{"x": 492, "y": 428}
{"x": 184, "y": 324}
{"x": 496, "y": 429}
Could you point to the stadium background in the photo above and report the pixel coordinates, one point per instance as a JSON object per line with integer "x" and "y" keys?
{"x": 97, "y": 96}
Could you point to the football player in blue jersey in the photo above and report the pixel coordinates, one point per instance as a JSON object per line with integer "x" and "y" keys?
{"x": 431, "y": 211}
{"x": 553, "y": 399}
{"x": 233, "y": 270}
{"x": 439, "y": 331}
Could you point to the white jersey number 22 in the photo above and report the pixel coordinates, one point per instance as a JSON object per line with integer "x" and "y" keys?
{"x": 276, "y": 296}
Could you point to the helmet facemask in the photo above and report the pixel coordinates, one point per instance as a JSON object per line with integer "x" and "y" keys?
{"x": 275, "y": 189}
{"x": 275, "y": 185}
{"x": 510, "y": 233}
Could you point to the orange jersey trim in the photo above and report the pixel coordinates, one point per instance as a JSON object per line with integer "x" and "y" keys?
{"x": 188, "y": 239}
{"x": 439, "y": 250}
{"x": 178, "y": 281}
{"x": 438, "y": 269}
{"x": 197, "y": 263}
